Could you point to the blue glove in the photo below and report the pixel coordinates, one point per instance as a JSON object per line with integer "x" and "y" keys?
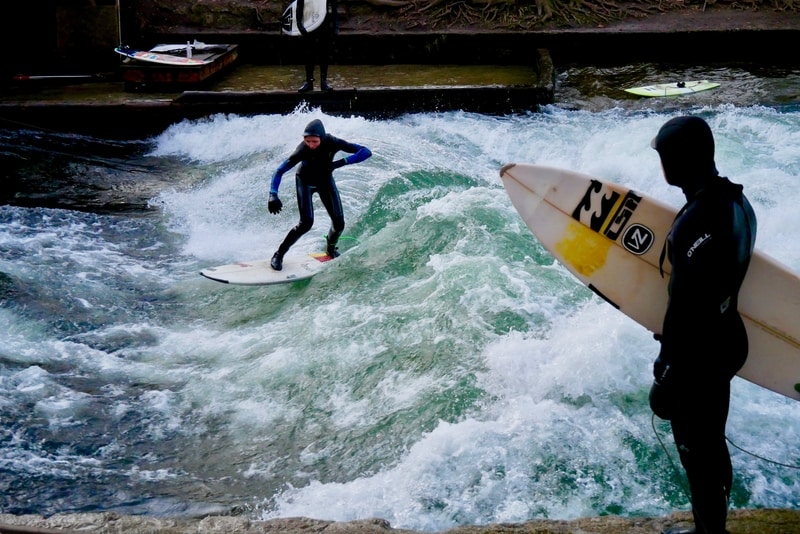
{"x": 274, "y": 205}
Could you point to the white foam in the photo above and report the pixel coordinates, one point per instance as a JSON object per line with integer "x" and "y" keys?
{"x": 442, "y": 372}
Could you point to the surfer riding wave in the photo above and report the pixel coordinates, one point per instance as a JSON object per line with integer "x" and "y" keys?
{"x": 315, "y": 175}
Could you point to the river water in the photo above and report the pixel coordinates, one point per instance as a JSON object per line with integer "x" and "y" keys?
{"x": 443, "y": 372}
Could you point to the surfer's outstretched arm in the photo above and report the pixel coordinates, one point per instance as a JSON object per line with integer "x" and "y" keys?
{"x": 278, "y": 175}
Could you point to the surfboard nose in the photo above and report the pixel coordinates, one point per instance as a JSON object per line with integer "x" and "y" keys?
{"x": 516, "y": 179}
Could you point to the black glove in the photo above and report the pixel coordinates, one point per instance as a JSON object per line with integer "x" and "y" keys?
{"x": 338, "y": 163}
{"x": 662, "y": 400}
{"x": 665, "y": 394}
{"x": 274, "y": 205}
{"x": 661, "y": 371}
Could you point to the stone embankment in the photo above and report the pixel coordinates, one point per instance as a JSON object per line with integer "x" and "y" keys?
{"x": 739, "y": 522}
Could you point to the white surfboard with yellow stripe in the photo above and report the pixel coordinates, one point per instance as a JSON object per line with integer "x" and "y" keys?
{"x": 611, "y": 238}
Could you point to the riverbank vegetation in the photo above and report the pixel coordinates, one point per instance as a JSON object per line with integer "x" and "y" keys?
{"x": 433, "y": 15}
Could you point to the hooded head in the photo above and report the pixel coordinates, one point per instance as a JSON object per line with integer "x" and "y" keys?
{"x": 686, "y": 147}
{"x": 314, "y": 128}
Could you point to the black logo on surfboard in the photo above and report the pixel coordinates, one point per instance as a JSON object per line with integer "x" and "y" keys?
{"x": 607, "y": 212}
{"x": 637, "y": 239}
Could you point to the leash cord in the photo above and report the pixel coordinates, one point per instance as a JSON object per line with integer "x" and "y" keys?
{"x": 762, "y": 458}
{"x": 669, "y": 457}
{"x": 734, "y": 445}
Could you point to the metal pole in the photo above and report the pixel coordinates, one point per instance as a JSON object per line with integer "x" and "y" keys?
{"x": 119, "y": 23}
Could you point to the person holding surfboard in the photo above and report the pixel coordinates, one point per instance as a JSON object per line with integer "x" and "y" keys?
{"x": 317, "y": 45}
{"x": 703, "y": 339}
{"x": 315, "y": 175}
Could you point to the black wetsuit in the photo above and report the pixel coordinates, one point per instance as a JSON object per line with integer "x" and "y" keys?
{"x": 315, "y": 175}
{"x": 317, "y": 44}
{"x": 704, "y": 342}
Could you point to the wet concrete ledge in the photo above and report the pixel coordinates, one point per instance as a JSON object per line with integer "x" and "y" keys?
{"x": 136, "y": 115}
{"x": 138, "y": 118}
{"x": 701, "y": 40}
{"x": 375, "y": 102}
{"x": 676, "y": 38}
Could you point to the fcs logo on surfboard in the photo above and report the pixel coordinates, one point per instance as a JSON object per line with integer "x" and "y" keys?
{"x": 608, "y": 214}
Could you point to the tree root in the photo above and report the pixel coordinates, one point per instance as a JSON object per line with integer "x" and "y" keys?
{"x": 524, "y": 15}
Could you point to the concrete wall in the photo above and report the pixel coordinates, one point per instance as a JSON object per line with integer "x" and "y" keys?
{"x": 58, "y": 36}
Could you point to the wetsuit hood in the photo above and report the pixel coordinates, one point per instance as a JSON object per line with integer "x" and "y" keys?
{"x": 686, "y": 147}
{"x": 315, "y": 128}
